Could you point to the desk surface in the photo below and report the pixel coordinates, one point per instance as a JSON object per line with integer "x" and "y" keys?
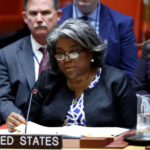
{"x": 127, "y": 148}
{"x": 72, "y": 144}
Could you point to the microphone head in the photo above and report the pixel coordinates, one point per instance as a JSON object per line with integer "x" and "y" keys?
{"x": 34, "y": 91}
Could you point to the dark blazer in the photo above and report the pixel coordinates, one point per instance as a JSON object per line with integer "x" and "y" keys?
{"x": 141, "y": 81}
{"x": 17, "y": 76}
{"x": 117, "y": 29}
{"x": 111, "y": 103}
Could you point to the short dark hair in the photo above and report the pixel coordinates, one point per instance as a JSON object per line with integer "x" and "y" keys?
{"x": 56, "y": 4}
{"x": 82, "y": 32}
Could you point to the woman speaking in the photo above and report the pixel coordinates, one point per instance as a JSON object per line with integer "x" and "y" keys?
{"x": 77, "y": 88}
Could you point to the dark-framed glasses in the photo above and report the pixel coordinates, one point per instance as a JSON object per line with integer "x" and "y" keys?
{"x": 71, "y": 55}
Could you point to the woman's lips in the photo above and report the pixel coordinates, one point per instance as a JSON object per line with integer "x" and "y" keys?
{"x": 69, "y": 68}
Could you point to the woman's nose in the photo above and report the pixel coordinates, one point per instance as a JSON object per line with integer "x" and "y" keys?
{"x": 67, "y": 59}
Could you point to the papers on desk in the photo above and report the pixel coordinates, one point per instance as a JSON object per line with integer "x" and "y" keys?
{"x": 4, "y": 131}
{"x": 72, "y": 131}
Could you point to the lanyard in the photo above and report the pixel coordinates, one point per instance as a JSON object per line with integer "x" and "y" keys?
{"x": 36, "y": 58}
{"x": 96, "y": 19}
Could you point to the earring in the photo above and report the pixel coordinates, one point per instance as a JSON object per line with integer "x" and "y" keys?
{"x": 92, "y": 60}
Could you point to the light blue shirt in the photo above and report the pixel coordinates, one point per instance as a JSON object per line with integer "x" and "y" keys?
{"x": 93, "y": 17}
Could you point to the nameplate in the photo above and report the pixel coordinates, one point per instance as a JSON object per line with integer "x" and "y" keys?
{"x": 31, "y": 141}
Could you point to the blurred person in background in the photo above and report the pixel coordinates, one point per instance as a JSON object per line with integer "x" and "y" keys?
{"x": 112, "y": 27}
{"x": 141, "y": 80}
{"x": 77, "y": 88}
{"x": 20, "y": 62}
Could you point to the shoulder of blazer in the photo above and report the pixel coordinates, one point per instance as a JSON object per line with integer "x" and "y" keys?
{"x": 66, "y": 13}
{"x": 67, "y": 7}
{"x": 47, "y": 77}
{"x": 19, "y": 44}
{"x": 49, "y": 82}
{"x": 146, "y": 51}
{"x": 115, "y": 15}
{"x": 112, "y": 74}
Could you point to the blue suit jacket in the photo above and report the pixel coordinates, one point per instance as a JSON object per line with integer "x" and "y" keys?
{"x": 17, "y": 77}
{"x": 117, "y": 29}
{"x": 141, "y": 81}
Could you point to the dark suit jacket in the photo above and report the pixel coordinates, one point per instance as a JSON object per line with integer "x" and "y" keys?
{"x": 141, "y": 81}
{"x": 117, "y": 29}
{"x": 17, "y": 77}
{"x": 112, "y": 102}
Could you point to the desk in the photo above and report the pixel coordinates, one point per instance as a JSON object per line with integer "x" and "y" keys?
{"x": 127, "y": 148}
{"x": 73, "y": 144}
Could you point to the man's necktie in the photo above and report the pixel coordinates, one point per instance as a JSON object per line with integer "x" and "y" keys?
{"x": 84, "y": 18}
{"x": 43, "y": 63}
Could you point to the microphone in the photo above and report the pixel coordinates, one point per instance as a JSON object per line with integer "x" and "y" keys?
{"x": 34, "y": 91}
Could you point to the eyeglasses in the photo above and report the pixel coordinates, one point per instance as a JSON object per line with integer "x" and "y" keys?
{"x": 71, "y": 55}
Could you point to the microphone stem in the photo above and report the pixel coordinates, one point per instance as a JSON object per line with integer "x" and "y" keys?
{"x": 27, "y": 118}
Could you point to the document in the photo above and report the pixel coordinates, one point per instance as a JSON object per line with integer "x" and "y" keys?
{"x": 72, "y": 131}
{"x": 4, "y": 131}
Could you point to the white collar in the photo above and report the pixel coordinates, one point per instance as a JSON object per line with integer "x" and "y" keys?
{"x": 35, "y": 44}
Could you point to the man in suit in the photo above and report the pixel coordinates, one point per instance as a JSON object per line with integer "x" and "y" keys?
{"x": 19, "y": 62}
{"x": 141, "y": 80}
{"x": 113, "y": 28}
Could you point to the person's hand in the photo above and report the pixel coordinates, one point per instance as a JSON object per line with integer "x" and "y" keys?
{"x": 14, "y": 120}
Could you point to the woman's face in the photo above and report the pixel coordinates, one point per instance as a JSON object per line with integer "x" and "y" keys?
{"x": 73, "y": 68}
